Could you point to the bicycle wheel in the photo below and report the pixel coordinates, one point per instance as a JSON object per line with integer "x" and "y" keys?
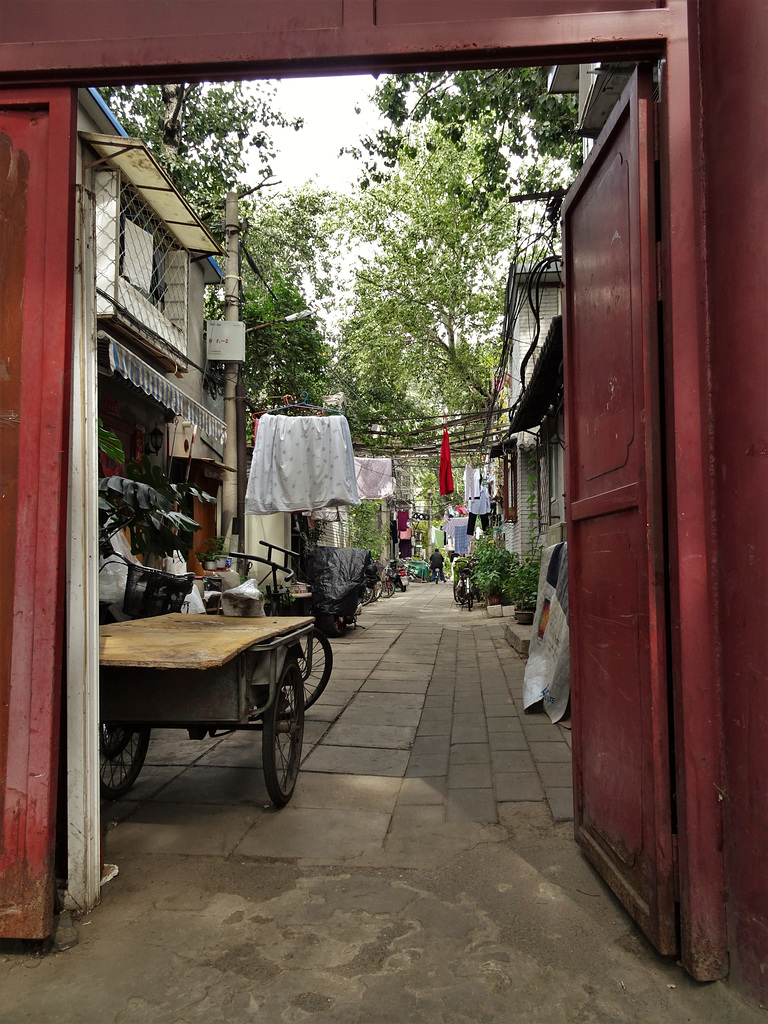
{"x": 387, "y": 587}
{"x": 456, "y": 589}
{"x": 367, "y": 595}
{"x": 122, "y": 749}
{"x": 316, "y": 679}
{"x": 470, "y": 588}
{"x": 282, "y": 735}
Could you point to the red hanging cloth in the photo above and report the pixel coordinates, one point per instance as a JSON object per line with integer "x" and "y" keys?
{"x": 446, "y": 473}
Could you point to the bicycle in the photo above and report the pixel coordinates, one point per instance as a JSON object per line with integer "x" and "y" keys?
{"x": 314, "y": 654}
{"x": 465, "y": 591}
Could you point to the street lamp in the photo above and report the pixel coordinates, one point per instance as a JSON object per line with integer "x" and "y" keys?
{"x": 305, "y": 314}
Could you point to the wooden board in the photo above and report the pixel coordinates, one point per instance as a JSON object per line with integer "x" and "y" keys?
{"x": 188, "y": 641}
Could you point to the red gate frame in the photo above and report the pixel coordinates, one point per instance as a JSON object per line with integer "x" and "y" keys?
{"x": 42, "y": 44}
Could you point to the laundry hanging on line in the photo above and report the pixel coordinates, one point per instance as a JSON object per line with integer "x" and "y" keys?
{"x": 301, "y": 463}
{"x": 374, "y": 478}
{"x": 446, "y": 474}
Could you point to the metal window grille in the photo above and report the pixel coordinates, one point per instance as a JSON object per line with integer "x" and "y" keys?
{"x": 141, "y": 269}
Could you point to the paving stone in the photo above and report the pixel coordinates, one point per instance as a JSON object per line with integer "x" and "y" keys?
{"x": 320, "y": 836}
{"x": 561, "y": 802}
{"x": 513, "y": 786}
{"x": 469, "y": 776}
{"x": 471, "y": 805}
{"x": 469, "y": 734}
{"x": 343, "y": 734}
{"x": 374, "y": 714}
{"x": 470, "y": 753}
{"x": 555, "y": 774}
{"x": 357, "y": 760}
{"x": 427, "y": 765}
{"x": 431, "y": 744}
{"x": 417, "y": 818}
{"x": 430, "y": 790}
{"x": 358, "y": 792}
{"x": 512, "y": 761}
{"x": 173, "y": 828}
{"x": 548, "y": 752}
{"x": 507, "y": 740}
{"x": 376, "y": 683}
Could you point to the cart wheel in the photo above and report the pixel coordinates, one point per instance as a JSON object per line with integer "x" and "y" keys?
{"x": 322, "y": 664}
{"x": 122, "y": 749}
{"x": 282, "y": 735}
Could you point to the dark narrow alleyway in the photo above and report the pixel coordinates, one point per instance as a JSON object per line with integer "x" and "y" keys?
{"x": 425, "y": 870}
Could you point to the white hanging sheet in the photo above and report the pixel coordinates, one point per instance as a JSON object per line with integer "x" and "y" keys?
{"x": 374, "y": 478}
{"x": 471, "y": 483}
{"x": 301, "y": 463}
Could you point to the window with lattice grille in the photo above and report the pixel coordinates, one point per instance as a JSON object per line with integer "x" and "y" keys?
{"x": 141, "y": 270}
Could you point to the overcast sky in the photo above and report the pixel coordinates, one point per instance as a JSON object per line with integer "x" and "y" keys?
{"x": 330, "y": 123}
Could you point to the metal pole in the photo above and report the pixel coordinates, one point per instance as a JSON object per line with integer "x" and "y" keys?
{"x": 231, "y": 370}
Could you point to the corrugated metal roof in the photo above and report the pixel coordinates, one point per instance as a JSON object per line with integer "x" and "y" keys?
{"x": 132, "y": 158}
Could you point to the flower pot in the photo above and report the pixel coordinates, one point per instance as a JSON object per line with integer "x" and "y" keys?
{"x": 493, "y": 599}
{"x": 524, "y": 616}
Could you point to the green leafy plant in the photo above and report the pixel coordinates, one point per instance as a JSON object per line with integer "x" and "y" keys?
{"x": 494, "y": 571}
{"x": 365, "y": 526}
{"x": 525, "y": 581}
{"x": 146, "y": 504}
{"x": 213, "y": 549}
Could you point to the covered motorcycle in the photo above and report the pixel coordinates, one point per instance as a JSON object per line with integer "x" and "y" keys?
{"x": 338, "y": 577}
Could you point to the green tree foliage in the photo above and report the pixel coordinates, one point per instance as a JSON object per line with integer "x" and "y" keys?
{"x": 281, "y": 358}
{"x": 365, "y": 525}
{"x": 423, "y": 329}
{"x": 202, "y": 134}
{"x": 293, "y": 236}
{"x": 526, "y": 135}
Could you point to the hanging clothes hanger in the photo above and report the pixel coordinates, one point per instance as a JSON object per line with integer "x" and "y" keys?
{"x": 300, "y": 403}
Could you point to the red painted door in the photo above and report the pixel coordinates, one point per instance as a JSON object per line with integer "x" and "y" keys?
{"x": 36, "y": 223}
{"x": 622, "y": 786}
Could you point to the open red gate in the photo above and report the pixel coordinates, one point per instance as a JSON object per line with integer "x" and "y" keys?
{"x": 622, "y": 780}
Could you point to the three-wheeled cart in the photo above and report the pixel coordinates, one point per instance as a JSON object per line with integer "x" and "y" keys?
{"x": 205, "y": 674}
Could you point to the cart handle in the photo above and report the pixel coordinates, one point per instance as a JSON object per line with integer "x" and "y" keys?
{"x": 274, "y": 566}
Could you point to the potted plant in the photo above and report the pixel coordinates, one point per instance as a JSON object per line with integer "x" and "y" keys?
{"x": 494, "y": 572}
{"x": 525, "y": 587}
{"x": 213, "y": 553}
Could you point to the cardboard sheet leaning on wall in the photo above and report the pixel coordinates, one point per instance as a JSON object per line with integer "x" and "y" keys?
{"x": 547, "y": 681}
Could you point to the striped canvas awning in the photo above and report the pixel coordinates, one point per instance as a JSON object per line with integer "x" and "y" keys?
{"x": 141, "y": 375}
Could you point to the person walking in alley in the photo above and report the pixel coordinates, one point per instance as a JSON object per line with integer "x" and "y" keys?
{"x": 436, "y": 563}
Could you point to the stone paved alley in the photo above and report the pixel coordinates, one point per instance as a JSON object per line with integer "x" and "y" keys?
{"x": 425, "y": 870}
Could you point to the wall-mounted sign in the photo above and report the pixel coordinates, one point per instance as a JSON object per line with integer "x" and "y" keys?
{"x": 226, "y": 341}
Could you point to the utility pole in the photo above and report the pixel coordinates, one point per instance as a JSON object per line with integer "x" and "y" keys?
{"x": 231, "y": 370}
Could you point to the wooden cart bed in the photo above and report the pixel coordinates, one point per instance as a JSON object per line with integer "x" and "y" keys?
{"x": 180, "y": 641}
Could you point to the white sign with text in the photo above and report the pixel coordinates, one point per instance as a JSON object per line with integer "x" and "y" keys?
{"x": 226, "y": 341}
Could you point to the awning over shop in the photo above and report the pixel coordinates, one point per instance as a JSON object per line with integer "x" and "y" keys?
{"x": 141, "y": 375}
{"x": 545, "y": 381}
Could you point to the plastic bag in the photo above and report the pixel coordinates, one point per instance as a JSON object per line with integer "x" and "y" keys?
{"x": 193, "y": 603}
{"x": 548, "y": 670}
{"x": 245, "y": 601}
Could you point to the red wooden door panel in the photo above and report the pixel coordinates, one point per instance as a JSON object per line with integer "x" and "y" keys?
{"x": 622, "y": 785}
{"x": 36, "y": 164}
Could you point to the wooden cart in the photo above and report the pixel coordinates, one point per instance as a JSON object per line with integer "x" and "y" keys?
{"x": 206, "y": 675}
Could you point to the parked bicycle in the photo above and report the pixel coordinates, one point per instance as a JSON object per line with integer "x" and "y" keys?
{"x": 391, "y": 579}
{"x": 465, "y": 591}
{"x": 315, "y": 658}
